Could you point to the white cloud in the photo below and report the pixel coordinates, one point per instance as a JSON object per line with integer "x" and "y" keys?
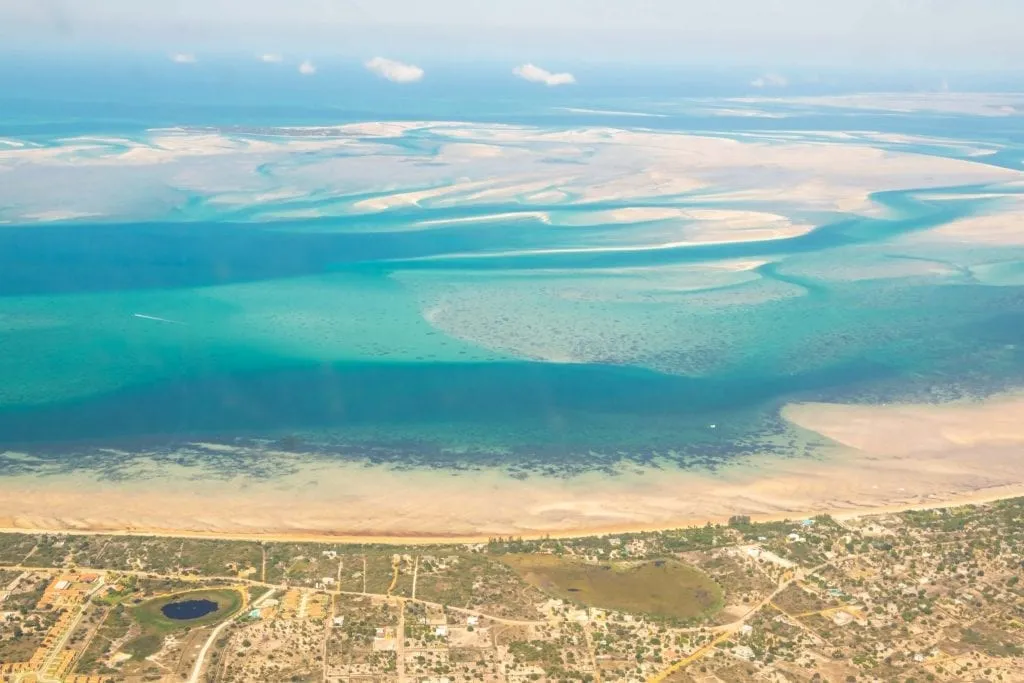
{"x": 396, "y": 72}
{"x": 271, "y": 58}
{"x": 183, "y": 58}
{"x": 307, "y": 68}
{"x": 535, "y": 74}
{"x": 770, "y": 81}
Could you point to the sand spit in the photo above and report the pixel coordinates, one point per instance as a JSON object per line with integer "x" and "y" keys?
{"x": 887, "y": 458}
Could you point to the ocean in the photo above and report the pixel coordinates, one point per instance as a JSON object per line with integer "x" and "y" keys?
{"x": 207, "y": 252}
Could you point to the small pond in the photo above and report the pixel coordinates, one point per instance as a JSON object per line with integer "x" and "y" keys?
{"x": 188, "y": 609}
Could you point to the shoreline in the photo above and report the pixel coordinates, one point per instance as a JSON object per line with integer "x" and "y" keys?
{"x": 875, "y": 459}
{"x": 984, "y": 496}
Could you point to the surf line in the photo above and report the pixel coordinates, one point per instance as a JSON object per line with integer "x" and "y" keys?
{"x": 153, "y": 317}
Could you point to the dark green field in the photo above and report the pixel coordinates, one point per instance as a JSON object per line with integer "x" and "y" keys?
{"x": 665, "y": 589}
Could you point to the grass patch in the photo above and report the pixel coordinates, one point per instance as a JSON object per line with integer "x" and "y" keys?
{"x": 144, "y": 646}
{"x": 152, "y": 620}
{"x": 661, "y": 589}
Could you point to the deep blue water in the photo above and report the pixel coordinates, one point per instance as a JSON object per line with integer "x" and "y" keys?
{"x": 188, "y": 609}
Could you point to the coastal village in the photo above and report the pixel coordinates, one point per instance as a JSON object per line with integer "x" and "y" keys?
{"x": 918, "y": 596}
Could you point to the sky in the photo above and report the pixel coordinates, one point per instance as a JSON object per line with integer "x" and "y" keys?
{"x": 943, "y": 34}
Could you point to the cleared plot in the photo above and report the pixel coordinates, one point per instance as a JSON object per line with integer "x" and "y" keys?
{"x": 664, "y": 589}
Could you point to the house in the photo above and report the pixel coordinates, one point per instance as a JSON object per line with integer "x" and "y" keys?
{"x": 472, "y": 621}
{"x": 338, "y": 622}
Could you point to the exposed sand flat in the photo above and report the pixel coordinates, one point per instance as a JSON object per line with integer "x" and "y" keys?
{"x": 904, "y": 429}
{"x": 695, "y": 234}
{"x": 892, "y": 457}
{"x": 504, "y": 192}
{"x": 401, "y": 199}
{"x": 644, "y": 183}
{"x": 976, "y": 104}
{"x": 473, "y": 163}
{"x": 610, "y": 112}
{"x": 513, "y": 215}
{"x": 631, "y": 214}
{"x": 251, "y": 198}
{"x": 459, "y": 192}
{"x": 378, "y": 129}
{"x": 1005, "y": 228}
{"x": 295, "y": 214}
{"x": 166, "y": 147}
{"x": 55, "y": 215}
{"x": 731, "y": 266}
{"x": 748, "y": 113}
{"x": 460, "y": 151}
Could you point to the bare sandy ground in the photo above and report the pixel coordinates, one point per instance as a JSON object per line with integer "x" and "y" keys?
{"x": 886, "y": 458}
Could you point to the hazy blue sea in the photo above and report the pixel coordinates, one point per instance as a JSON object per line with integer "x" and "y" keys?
{"x": 210, "y": 320}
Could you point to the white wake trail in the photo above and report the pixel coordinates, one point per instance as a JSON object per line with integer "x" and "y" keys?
{"x": 162, "y": 320}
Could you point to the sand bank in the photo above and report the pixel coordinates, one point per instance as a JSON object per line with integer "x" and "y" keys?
{"x": 886, "y": 458}
{"x": 484, "y": 164}
{"x": 1001, "y": 227}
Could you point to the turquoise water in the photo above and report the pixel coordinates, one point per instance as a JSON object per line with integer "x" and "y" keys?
{"x": 244, "y": 298}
